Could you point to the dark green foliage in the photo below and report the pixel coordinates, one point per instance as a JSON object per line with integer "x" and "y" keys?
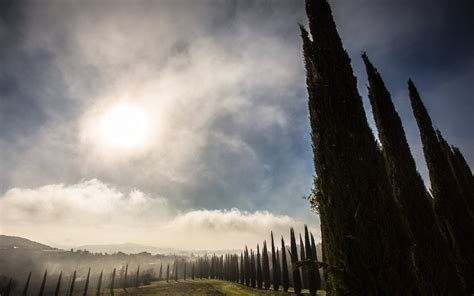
{"x": 168, "y": 273}
{"x": 112, "y": 282}
{"x": 43, "y": 283}
{"x": 86, "y": 285}
{"x": 314, "y": 281}
{"x": 276, "y": 270}
{"x": 247, "y": 266}
{"x": 73, "y": 282}
{"x": 294, "y": 259}
{"x": 27, "y": 284}
{"x": 253, "y": 271}
{"x": 304, "y": 268}
{"x": 242, "y": 269}
{"x": 160, "y": 276}
{"x": 365, "y": 236}
{"x": 464, "y": 175}
{"x": 137, "y": 278}
{"x": 99, "y": 284}
{"x": 58, "y": 285}
{"x": 8, "y": 288}
{"x": 259, "y": 269}
{"x": 316, "y": 276}
{"x": 124, "y": 278}
{"x": 285, "y": 278}
{"x": 265, "y": 266}
{"x": 451, "y": 208}
{"x": 432, "y": 256}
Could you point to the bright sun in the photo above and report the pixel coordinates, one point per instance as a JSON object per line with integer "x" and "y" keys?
{"x": 125, "y": 126}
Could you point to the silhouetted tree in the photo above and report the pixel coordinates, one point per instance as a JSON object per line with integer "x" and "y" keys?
{"x": 284, "y": 267}
{"x": 73, "y": 281}
{"x": 259, "y": 269}
{"x": 451, "y": 208}
{"x": 304, "y": 268}
{"x": 276, "y": 270}
{"x": 168, "y": 273}
{"x": 43, "y": 283}
{"x": 125, "y": 278}
{"x": 99, "y": 284}
{"x": 27, "y": 284}
{"x": 265, "y": 266}
{"x": 432, "y": 256}
{"x": 184, "y": 273}
{"x": 242, "y": 269}
{"x": 294, "y": 266}
{"x": 253, "y": 272}
{"x": 160, "y": 277}
{"x": 314, "y": 280}
{"x": 112, "y": 283}
{"x": 192, "y": 273}
{"x": 365, "y": 234}
{"x": 137, "y": 278}
{"x": 86, "y": 286}
{"x": 58, "y": 285}
{"x": 316, "y": 276}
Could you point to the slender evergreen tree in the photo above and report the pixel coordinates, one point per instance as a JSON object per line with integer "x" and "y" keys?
{"x": 294, "y": 265}
{"x": 457, "y": 221}
{"x": 27, "y": 284}
{"x": 184, "y": 274}
{"x": 242, "y": 269}
{"x": 285, "y": 278}
{"x": 253, "y": 271}
{"x": 275, "y": 269}
{"x": 265, "y": 266}
{"x": 112, "y": 283}
{"x": 247, "y": 266}
{"x": 313, "y": 277}
{"x": 86, "y": 285}
{"x": 192, "y": 273}
{"x": 43, "y": 283}
{"x": 8, "y": 288}
{"x": 125, "y": 278}
{"x": 259, "y": 269}
{"x": 168, "y": 273}
{"x": 73, "y": 282}
{"x": 304, "y": 268}
{"x": 317, "y": 275}
{"x": 433, "y": 259}
{"x": 366, "y": 237}
{"x": 99, "y": 284}
{"x": 137, "y": 277}
{"x": 160, "y": 277}
{"x": 58, "y": 285}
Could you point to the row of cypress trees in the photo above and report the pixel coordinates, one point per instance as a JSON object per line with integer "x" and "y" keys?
{"x": 267, "y": 269}
{"x": 383, "y": 232}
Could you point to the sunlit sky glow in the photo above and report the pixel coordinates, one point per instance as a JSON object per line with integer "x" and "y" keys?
{"x": 155, "y": 122}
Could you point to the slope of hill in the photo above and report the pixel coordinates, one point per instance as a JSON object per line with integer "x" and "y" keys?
{"x": 16, "y": 242}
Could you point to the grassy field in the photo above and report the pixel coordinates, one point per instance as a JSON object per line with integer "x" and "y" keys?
{"x": 196, "y": 287}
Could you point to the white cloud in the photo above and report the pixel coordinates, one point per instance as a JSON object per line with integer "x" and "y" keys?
{"x": 92, "y": 212}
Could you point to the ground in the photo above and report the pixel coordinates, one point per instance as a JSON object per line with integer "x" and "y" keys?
{"x": 197, "y": 287}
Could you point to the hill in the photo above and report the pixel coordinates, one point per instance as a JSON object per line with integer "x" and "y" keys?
{"x": 16, "y": 242}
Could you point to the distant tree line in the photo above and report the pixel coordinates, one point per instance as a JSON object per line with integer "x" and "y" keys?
{"x": 382, "y": 231}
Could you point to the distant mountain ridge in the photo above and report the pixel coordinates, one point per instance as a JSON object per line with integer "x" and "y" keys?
{"x": 127, "y": 248}
{"x": 16, "y": 242}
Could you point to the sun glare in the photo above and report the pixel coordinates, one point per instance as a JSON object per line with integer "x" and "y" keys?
{"x": 124, "y": 126}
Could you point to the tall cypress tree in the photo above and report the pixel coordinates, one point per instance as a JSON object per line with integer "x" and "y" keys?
{"x": 137, "y": 277}
{"x": 43, "y": 283}
{"x": 253, "y": 271}
{"x": 86, "y": 285}
{"x": 184, "y": 274}
{"x": 247, "y": 266}
{"x": 284, "y": 267}
{"x": 58, "y": 285}
{"x": 265, "y": 266}
{"x": 242, "y": 269}
{"x": 168, "y": 273}
{"x": 112, "y": 283}
{"x": 259, "y": 269}
{"x": 275, "y": 269}
{"x": 99, "y": 284}
{"x": 432, "y": 255}
{"x": 365, "y": 234}
{"x": 317, "y": 276}
{"x": 73, "y": 281}
{"x": 192, "y": 273}
{"x": 451, "y": 208}
{"x": 27, "y": 284}
{"x": 304, "y": 268}
{"x": 313, "y": 277}
{"x": 294, "y": 266}
{"x": 160, "y": 277}
{"x": 464, "y": 175}
{"x": 125, "y": 278}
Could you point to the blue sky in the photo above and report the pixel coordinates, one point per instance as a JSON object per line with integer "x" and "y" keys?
{"x": 223, "y": 85}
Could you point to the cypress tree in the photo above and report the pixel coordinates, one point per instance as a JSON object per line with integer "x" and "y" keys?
{"x": 184, "y": 274}
{"x": 192, "y": 273}
{"x": 464, "y": 176}
{"x": 137, "y": 278}
{"x": 112, "y": 283}
{"x": 58, "y": 285}
{"x": 304, "y": 268}
{"x": 99, "y": 284}
{"x": 43, "y": 283}
{"x": 284, "y": 267}
{"x": 8, "y": 288}
{"x": 317, "y": 276}
{"x": 294, "y": 266}
{"x": 253, "y": 271}
{"x": 176, "y": 271}
{"x": 168, "y": 273}
{"x": 365, "y": 234}
{"x": 275, "y": 269}
{"x": 451, "y": 208}
{"x": 160, "y": 277}
{"x": 247, "y": 266}
{"x": 242, "y": 269}
{"x": 265, "y": 266}
{"x": 313, "y": 277}
{"x": 259, "y": 269}
{"x": 86, "y": 286}
{"x": 27, "y": 284}
{"x": 125, "y": 278}
{"x": 432, "y": 256}
{"x": 73, "y": 281}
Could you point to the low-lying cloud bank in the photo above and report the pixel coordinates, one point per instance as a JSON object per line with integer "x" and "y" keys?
{"x": 92, "y": 212}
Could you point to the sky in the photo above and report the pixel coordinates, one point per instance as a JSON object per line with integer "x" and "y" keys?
{"x": 219, "y": 151}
